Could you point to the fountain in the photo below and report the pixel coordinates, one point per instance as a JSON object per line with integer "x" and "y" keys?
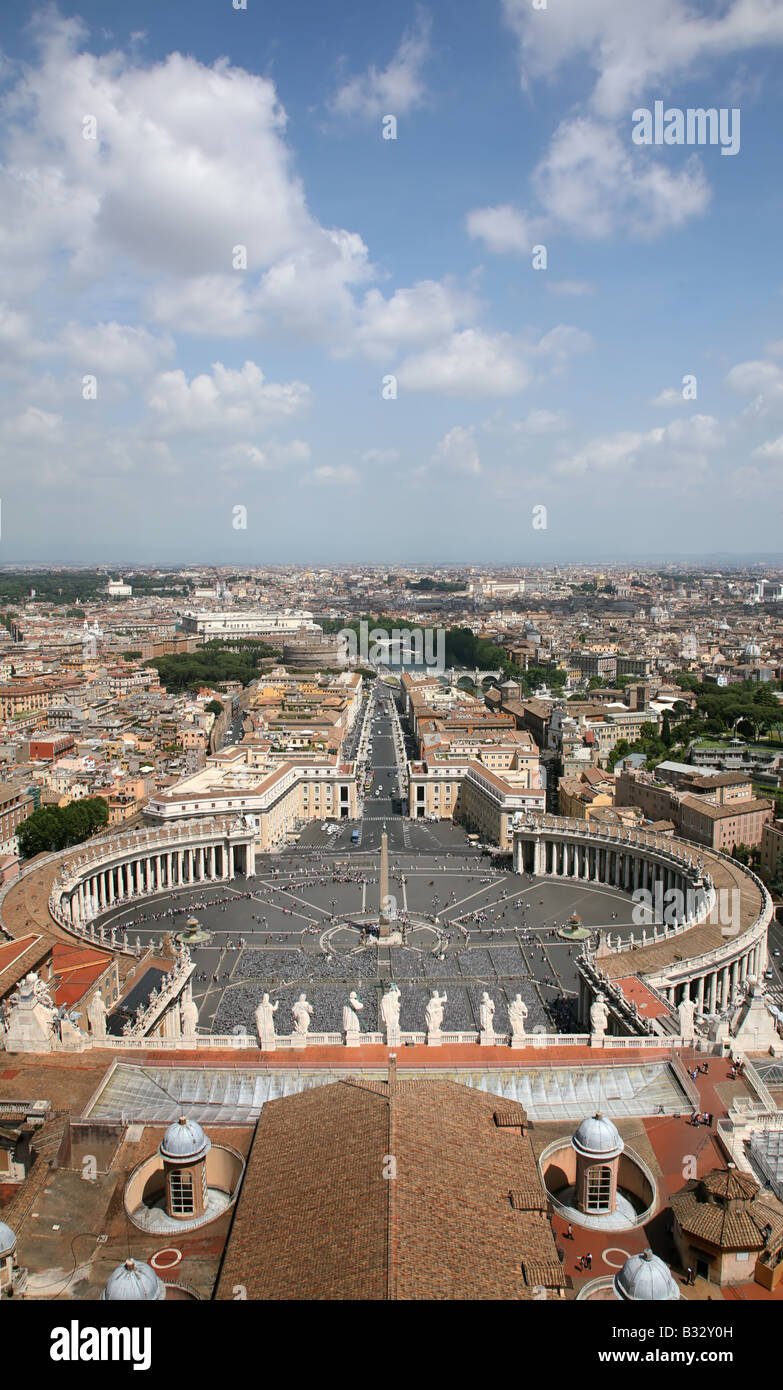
{"x": 194, "y": 934}
{"x": 573, "y": 929}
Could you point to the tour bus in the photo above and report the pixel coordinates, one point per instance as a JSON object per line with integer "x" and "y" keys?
{"x": 354, "y": 837}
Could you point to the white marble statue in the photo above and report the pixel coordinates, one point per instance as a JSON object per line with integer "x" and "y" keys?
{"x": 265, "y": 1020}
{"x": 517, "y": 1016}
{"x": 599, "y": 1016}
{"x": 433, "y": 1014}
{"x": 686, "y": 1010}
{"x": 390, "y": 1008}
{"x": 32, "y": 1019}
{"x": 188, "y": 1012}
{"x": 351, "y": 1011}
{"x": 487, "y": 1013}
{"x": 302, "y": 1011}
{"x": 96, "y": 1015}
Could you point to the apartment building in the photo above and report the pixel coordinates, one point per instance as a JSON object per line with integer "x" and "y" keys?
{"x": 16, "y": 804}
{"x": 709, "y": 818}
{"x": 275, "y": 796}
{"x": 483, "y": 792}
{"x": 22, "y": 698}
{"x": 578, "y": 795}
{"x": 772, "y": 847}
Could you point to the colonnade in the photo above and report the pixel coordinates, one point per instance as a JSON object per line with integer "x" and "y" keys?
{"x": 712, "y": 979}
{"x": 623, "y": 866}
{"x": 151, "y": 869}
{"x": 712, "y": 989}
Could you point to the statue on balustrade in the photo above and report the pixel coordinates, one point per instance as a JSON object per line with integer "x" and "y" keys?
{"x": 486, "y": 1014}
{"x": 517, "y": 1015}
{"x": 351, "y": 1010}
{"x": 433, "y": 1014}
{"x": 265, "y": 1019}
{"x": 302, "y": 1011}
{"x": 96, "y": 1015}
{"x": 390, "y": 1008}
{"x": 599, "y": 1016}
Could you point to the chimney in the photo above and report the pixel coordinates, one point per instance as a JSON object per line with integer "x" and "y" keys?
{"x": 392, "y": 1071}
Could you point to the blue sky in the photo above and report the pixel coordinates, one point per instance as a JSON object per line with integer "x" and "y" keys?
{"x": 261, "y": 387}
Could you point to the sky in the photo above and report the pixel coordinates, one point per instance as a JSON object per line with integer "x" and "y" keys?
{"x": 319, "y": 281}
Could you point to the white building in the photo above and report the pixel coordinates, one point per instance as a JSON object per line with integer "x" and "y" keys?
{"x": 117, "y": 588}
{"x": 249, "y": 623}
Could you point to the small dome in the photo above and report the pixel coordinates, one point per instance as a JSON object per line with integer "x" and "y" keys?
{"x": 184, "y": 1139}
{"x": 598, "y": 1137}
{"x": 7, "y": 1240}
{"x": 132, "y": 1282}
{"x": 645, "y": 1278}
{"x": 752, "y": 649}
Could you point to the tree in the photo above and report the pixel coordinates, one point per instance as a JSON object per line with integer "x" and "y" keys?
{"x": 57, "y": 827}
{"x": 620, "y": 750}
{"x": 214, "y": 707}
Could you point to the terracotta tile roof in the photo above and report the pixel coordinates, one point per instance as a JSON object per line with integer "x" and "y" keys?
{"x": 728, "y": 1230}
{"x": 320, "y": 1216}
{"x": 724, "y": 1209}
{"x": 505, "y": 1118}
{"x": 548, "y": 1274}
{"x": 76, "y": 968}
{"x": 528, "y": 1199}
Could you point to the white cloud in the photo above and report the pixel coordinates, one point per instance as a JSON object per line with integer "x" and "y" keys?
{"x": 115, "y": 348}
{"x": 34, "y": 424}
{"x": 668, "y": 397}
{"x": 762, "y": 382}
{"x": 678, "y": 447}
{"x": 750, "y": 378}
{"x": 773, "y": 450}
{"x": 411, "y": 316}
{"x": 625, "y": 51}
{"x": 394, "y": 90}
{"x": 380, "y": 457}
{"x": 251, "y": 458}
{"x": 502, "y": 229}
{"x": 308, "y": 294}
{"x": 564, "y": 341}
{"x": 17, "y": 337}
{"x": 206, "y": 305}
{"x": 572, "y": 288}
{"x": 592, "y": 183}
{"x": 190, "y": 162}
{"x": 536, "y": 422}
{"x": 225, "y": 401}
{"x": 472, "y": 363}
{"x": 337, "y": 475}
{"x": 456, "y": 452}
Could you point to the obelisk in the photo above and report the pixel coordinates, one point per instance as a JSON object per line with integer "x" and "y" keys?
{"x": 384, "y": 921}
